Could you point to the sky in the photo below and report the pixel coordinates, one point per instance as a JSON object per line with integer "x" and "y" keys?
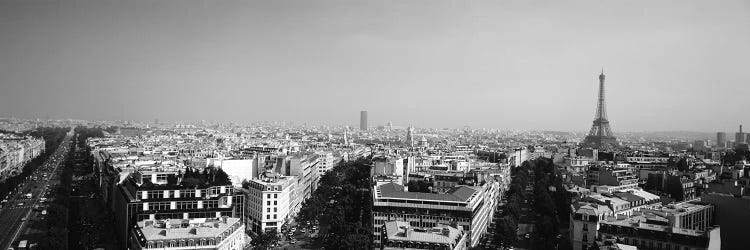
{"x": 670, "y": 65}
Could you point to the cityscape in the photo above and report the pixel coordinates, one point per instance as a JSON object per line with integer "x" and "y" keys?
{"x": 311, "y": 125}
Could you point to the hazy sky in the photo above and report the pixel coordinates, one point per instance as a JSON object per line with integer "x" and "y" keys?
{"x": 670, "y": 65}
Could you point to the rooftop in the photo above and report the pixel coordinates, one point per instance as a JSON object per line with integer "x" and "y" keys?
{"x": 186, "y": 229}
{"x": 457, "y": 194}
{"x": 402, "y": 231}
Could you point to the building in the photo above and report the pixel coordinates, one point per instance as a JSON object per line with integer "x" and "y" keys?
{"x": 619, "y": 178}
{"x": 363, "y": 120}
{"x": 679, "y": 187}
{"x": 470, "y": 207}
{"x": 653, "y": 231}
{"x": 269, "y": 202}
{"x": 732, "y": 216}
{"x": 182, "y": 234}
{"x": 15, "y": 152}
{"x": 134, "y": 200}
{"x": 326, "y": 162}
{"x": 584, "y": 223}
{"x": 401, "y": 235}
{"x": 600, "y": 135}
{"x": 739, "y": 137}
{"x": 721, "y": 139}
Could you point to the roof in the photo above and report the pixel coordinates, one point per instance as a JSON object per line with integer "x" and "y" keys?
{"x": 458, "y": 193}
{"x": 591, "y": 209}
{"x": 194, "y": 229}
{"x": 402, "y": 231}
{"x": 628, "y": 196}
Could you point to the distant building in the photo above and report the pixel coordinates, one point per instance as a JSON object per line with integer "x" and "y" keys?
{"x": 363, "y": 120}
{"x": 721, "y": 139}
{"x": 739, "y": 137}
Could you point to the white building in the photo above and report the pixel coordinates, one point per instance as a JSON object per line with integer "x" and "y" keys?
{"x": 201, "y": 233}
{"x": 269, "y": 202}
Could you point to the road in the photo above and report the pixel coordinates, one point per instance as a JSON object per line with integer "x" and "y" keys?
{"x": 12, "y": 213}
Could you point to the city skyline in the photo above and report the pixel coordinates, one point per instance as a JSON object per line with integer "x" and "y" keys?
{"x": 486, "y": 65}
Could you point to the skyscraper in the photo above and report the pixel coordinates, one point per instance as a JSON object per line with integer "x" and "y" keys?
{"x": 410, "y": 136}
{"x": 739, "y": 137}
{"x": 721, "y": 139}
{"x": 600, "y": 135}
{"x": 363, "y": 120}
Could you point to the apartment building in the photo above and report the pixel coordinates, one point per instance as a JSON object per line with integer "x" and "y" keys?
{"x": 15, "y": 152}
{"x": 222, "y": 233}
{"x": 470, "y": 207}
{"x": 269, "y": 202}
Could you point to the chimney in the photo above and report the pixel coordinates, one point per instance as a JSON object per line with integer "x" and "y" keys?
{"x": 446, "y": 232}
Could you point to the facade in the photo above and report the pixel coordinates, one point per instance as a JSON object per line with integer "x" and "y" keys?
{"x": 732, "y": 216}
{"x": 326, "y": 162}
{"x": 401, "y": 235}
{"x": 721, "y": 139}
{"x": 15, "y": 152}
{"x": 739, "y": 137}
{"x": 622, "y": 178}
{"x": 363, "y": 120}
{"x": 584, "y": 223}
{"x": 269, "y": 202}
{"x": 470, "y": 207}
{"x": 182, "y": 234}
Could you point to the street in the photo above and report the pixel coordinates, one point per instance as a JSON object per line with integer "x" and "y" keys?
{"x": 18, "y": 208}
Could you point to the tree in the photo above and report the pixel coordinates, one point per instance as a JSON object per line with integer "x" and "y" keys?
{"x": 266, "y": 239}
{"x": 505, "y": 231}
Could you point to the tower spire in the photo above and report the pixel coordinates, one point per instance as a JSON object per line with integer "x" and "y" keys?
{"x": 600, "y": 134}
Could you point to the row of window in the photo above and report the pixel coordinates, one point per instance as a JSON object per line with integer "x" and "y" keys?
{"x": 157, "y": 206}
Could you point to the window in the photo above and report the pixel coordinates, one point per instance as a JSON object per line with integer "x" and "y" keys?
{"x": 268, "y": 203}
{"x": 268, "y": 196}
{"x": 274, "y": 210}
{"x": 585, "y": 227}
{"x": 585, "y": 238}
{"x": 275, "y": 196}
{"x": 268, "y": 216}
{"x": 268, "y": 210}
{"x": 275, "y": 203}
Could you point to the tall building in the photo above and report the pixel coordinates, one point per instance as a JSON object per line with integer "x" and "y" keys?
{"x": 363, "y": 120}
{"x": 739, "y": 137}
{"x": 410, "y": 136}
{"x": 721, "y": 139}
{"x": 600, "y": 135}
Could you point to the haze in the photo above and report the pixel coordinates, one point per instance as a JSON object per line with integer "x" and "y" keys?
{"x": 670, "y": 65}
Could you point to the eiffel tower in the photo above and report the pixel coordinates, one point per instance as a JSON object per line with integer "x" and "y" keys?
{"x": 600, "y": 135}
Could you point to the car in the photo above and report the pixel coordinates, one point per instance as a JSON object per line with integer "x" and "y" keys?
{"x": 20, "y": 204}
{"x": 293, "y": 241}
